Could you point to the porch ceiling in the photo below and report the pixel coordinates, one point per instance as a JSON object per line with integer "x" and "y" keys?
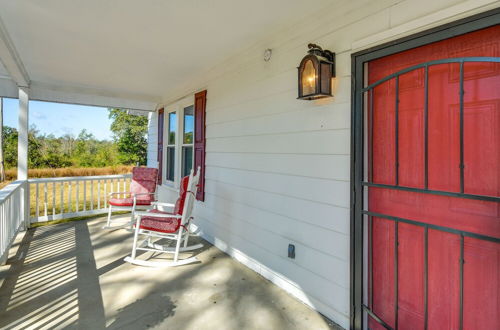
{"x": 137, "y": 50}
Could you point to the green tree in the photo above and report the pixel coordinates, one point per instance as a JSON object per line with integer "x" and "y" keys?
{"x": 129, "y": 133}
{"x": 48, "y": 151}
{"x": 10, "y": 136}
{"x": 10, "y": 146}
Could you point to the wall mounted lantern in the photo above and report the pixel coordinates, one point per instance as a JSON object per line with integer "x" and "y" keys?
{"x": 315, "y": 73}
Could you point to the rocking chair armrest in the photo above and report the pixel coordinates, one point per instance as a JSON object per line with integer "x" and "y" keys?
{"x": 120, "y": 193}
{"x": 163, "y": 204}
{"x": 142, "y": 194}
{"x": 156, "y": 215}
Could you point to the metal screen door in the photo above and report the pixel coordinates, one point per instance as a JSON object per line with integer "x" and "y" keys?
{"x": 432, "y": 186}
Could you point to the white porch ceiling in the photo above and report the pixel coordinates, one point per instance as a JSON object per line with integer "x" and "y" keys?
{"x": 135, "y": 50}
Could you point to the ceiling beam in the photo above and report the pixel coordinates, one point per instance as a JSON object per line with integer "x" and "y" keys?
{"x": 11, "y": 60}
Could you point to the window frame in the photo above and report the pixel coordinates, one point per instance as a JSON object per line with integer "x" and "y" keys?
{"x": 169, "y": 145}
{"x": 182, "y": 144}
{"x": 177, "y": 107}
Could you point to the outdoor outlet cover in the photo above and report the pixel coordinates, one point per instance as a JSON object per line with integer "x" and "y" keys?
{"x": 291, "y": 251}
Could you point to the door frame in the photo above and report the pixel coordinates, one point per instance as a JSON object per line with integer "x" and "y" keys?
{"x": 459, "y": 27}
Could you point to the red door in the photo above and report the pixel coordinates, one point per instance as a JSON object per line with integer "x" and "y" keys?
{"x": 434, "y": 185}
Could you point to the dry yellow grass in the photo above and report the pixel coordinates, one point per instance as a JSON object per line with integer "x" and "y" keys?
{"x": 11, "y": 174}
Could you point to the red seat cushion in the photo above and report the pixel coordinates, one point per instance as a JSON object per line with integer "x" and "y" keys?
{"x": 128, "y": 202}
{"x": 164, "y": 225}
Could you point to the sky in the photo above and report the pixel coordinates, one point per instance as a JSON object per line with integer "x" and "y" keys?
{"x": 60, "y": 119}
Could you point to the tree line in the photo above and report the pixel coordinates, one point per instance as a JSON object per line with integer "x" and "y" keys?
{"x": 128, "y": 147}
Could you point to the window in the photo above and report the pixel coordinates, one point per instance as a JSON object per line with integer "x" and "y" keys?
{"x": 184, "y": 140}
{"x": 179, "y": 142}
{"x": 172, "y": 132}
{"x": 188, "y": 139}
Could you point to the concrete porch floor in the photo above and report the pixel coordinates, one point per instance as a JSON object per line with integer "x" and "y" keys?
{"x": 73, "y": 275}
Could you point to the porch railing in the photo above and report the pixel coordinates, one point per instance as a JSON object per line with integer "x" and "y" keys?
{"x": 37, "y": 200}
{"x": 69, "y": 197}
{"x": 13, "y": 208}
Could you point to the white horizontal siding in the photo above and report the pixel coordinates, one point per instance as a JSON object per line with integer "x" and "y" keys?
{"x": 277, "y": 168}
{"x": 334, "y": 142}
{"x": 324, "y": 191}
{"x": 308, "y": 165}
{"x": 292, "y": 119}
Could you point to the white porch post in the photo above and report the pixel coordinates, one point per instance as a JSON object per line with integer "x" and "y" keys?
{"x": 22, "y": 150}
{"x": 22, "y": 142}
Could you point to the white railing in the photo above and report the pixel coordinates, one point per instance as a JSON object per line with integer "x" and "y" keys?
{"x": 13, "y": 208}
{"x": 69, "y": 197}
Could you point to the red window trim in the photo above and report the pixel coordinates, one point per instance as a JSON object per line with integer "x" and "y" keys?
{"x": 161, "y": 117}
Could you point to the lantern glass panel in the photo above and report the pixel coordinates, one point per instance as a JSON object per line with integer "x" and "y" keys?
{"x": 326, "y": 78}
{"x": 308, "y": 78}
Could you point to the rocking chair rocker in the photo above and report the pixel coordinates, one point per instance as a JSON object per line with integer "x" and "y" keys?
{"x": 173, "y": 227}
{"x": 141, "y": 195}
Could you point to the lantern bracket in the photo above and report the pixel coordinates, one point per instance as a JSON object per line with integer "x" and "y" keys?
{"x": 318, "y": 51}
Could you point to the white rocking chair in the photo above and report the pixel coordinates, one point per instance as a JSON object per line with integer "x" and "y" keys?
{"x": 156, "y": 224}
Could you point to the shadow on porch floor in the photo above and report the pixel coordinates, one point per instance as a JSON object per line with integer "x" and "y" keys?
{"x": 73, "y": 275}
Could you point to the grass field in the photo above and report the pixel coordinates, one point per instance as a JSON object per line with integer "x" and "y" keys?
{"x": 76, "y": 196}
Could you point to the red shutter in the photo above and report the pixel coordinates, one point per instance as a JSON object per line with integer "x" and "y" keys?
{"x": 160, "y": 144}
{"x": 200, "y": 102}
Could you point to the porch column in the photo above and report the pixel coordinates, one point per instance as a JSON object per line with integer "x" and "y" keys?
{"x": 22, "y": 153}
{"x": 22, "y": 142}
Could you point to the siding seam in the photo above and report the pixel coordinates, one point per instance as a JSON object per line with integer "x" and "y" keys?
{"x": 280, "y": 173}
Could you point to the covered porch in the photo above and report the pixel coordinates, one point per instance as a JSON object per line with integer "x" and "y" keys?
{"x": 73, "y": 275}
{"x": 283, "y": 192}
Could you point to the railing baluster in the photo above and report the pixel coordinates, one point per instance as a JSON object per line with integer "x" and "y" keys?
{"x": 98, "y": 194}
{"x": 62, "y": 198}
{"x": 70, "y": 209}
{"x": 77, "y": 196}
{"x": 45, "y": 202}
{"x": 85, "y": 195}
{"x": 53, "y": 199}
{"x": 37, "y": 206}
{"x": 105, "y": 193}
{"x": 92, "y": 195}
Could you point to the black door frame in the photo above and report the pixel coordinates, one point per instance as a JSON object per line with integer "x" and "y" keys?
{"x": 469, "y": 24}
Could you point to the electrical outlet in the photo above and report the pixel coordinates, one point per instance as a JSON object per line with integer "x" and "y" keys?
{"x": 291, "y": 251}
